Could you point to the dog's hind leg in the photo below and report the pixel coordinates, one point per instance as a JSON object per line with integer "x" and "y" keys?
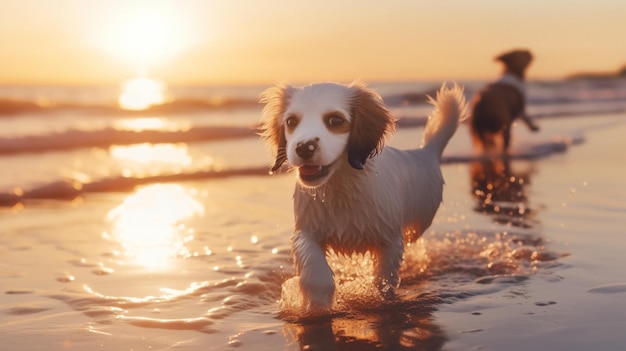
{"x": 387, "y": 267}
{"x": 316, "y": 277}
{"x": 479, "y": 142}
{"x": 506, "y": 140}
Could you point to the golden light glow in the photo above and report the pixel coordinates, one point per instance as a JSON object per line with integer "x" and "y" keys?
{"x": 141, "y": 93}
{"x": 150, "y": 224}
{"x": 144, "y": 35}
{"x": 200, "y": 41}
{"x": 141, "y": 124}
{"x": 135, "y": 158}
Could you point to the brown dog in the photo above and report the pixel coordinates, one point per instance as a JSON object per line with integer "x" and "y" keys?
{"x": 500, "y": 103}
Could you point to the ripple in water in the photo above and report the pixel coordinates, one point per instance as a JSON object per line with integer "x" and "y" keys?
{"x": 439, "y": 268}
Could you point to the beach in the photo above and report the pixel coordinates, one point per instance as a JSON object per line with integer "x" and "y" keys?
{"x": 101, "y": 250}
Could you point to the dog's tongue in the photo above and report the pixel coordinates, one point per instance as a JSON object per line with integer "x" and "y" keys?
{"x": 310, "y": 170}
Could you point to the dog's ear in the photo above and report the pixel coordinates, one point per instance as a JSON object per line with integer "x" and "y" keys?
{"x": 271, "y": 127}
{"x": 371, "y": 123}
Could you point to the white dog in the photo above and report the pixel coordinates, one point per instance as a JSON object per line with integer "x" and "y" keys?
{"x": 346, "y": 199}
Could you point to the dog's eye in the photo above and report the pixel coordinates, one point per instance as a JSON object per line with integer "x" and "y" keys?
{"x": 291, "y": 121}
{"x": 334, "y": 121}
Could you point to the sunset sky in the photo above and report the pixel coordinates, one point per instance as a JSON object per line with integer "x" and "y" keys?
{"x": 253, "y": 41}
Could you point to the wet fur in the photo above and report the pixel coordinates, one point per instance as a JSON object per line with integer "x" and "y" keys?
{"x": 374, "y": 199}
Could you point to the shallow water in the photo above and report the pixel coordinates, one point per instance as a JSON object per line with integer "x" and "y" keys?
{"x": 173, "y": 262}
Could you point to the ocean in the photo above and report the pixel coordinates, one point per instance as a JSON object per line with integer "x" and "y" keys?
{"x": 161, "y": 229}
{"x": 64, "y": 141}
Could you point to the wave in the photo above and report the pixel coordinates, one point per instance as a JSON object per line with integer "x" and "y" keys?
{"x": 526, "y": 151}
{"x": 71, "y": 189}
{"x": 14, "y": 107}
{"x": 73, "y": 139}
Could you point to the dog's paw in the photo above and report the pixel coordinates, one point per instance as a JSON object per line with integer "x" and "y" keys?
{"x": 318, "y": 292}
{"x": 387, "y": 290}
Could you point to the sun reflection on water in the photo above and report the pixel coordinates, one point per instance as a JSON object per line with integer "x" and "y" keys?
{"x": 144, "y": 159}
{"x": 141, "y": 93}
{"x": 151, "y": 123}
{"x": 150, "y": 224}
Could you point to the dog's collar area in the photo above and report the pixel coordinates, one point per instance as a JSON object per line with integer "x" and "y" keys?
{"x": 515, "y": 82}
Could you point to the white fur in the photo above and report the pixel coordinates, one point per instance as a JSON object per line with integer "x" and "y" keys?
{"x": 391, "y": 200}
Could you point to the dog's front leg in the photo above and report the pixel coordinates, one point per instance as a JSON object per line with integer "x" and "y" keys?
{"x": 316, "y": 277}
{"x": 387, "y": 267}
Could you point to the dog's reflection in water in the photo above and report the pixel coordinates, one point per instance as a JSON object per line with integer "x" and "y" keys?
{"x": 501, "y": 191}
{"x": 407, "y": 325}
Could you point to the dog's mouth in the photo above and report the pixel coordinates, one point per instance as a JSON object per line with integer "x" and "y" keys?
{"x": 312, "y": 173}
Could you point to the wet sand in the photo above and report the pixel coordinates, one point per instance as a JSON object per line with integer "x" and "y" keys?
{"x": 206, "y": 264}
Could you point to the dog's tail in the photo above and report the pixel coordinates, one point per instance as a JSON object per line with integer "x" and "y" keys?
{"x": 450, "y": 110}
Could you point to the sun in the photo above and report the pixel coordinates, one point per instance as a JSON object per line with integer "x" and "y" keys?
{"x": 144, "y": 36}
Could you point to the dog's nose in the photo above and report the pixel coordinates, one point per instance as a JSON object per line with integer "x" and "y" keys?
{"x": 306, "y": 149}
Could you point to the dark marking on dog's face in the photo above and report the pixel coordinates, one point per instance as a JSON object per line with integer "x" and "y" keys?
{"x": 371, "y": 122}
{"x": 336, "y": 122}
{"x": 272, "y": 128}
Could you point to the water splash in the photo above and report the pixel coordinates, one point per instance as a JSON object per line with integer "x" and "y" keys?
{"x": 448, "y": 266}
